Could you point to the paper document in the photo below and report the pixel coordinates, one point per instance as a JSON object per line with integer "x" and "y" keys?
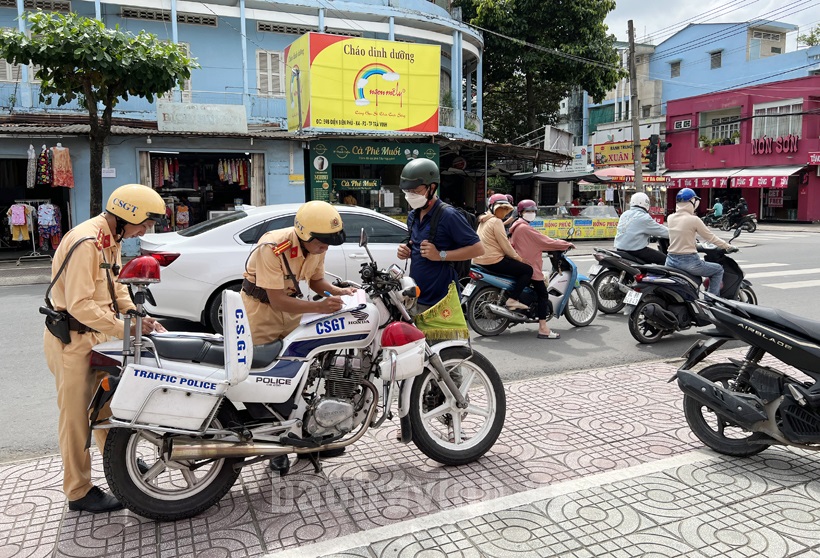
{"x": 348, "y": 301}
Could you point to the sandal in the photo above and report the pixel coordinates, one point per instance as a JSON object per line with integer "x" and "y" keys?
{"x": 550, "y": 335}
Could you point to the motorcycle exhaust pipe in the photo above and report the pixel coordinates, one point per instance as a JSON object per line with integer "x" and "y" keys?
{"x": 503, "y": 312}
{"x": 197, "y": 449}
{"x": 659, "y": 317}
{"x": 743, "y": 409}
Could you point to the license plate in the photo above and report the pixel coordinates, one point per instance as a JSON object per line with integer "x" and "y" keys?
{"x": 632, "y": 297}
{"x": 594, "y": 269}
{"x": 468, "y": 290}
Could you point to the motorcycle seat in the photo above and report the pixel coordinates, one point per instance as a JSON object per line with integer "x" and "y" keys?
{"x": 665, "y": 270}
{"x": 210, "y": 351}
{"x": 486, "y": 271}
{"x": 802, "y": 326}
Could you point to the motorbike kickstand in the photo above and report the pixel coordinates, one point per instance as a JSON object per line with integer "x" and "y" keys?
{"x": 314, "y": 458}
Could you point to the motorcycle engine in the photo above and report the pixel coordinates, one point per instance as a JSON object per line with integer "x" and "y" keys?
{"x": 341, "y": 408}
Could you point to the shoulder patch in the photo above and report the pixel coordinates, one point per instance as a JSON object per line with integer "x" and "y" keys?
{"x": 103, "y": 240}
{"x": 281, "y": 247}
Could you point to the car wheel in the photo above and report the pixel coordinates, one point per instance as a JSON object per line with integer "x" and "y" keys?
{"x": 214, "y": 310}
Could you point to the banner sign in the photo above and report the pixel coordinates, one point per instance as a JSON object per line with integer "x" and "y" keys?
{"x": 760, "y": 182}
{"x": 362, "y": 84}
{"x": 814, "y": 158}
{"x": 619, "y": 154}
{"x": 356, "y": 184}
{"x": 326, "y": 153}
{"x": 702, "y": 182}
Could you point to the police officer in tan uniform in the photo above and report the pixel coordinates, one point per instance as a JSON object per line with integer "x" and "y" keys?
{"x": 87, "y": 290}
{"x": 279, "y": 261}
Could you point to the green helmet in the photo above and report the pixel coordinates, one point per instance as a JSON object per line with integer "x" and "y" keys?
{"x": 418, "y": 172}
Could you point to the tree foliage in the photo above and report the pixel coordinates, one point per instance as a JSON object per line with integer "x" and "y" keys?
{"x": 812, "y": 38}
{"x": 80, "y": 58}
{"x": 532, "y": 80}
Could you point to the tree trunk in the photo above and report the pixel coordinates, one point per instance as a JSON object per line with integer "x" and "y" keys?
{"x": 531, "y": 121}
{"x": 97, "y": 143}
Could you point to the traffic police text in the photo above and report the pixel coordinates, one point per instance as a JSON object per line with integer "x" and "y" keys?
{"x": 170, "y": 379}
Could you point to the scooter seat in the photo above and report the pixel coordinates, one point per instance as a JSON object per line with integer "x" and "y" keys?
{"x": 666, "y": 270}
{"x": 210, "y": 351}
{"x": 488, "y": 272}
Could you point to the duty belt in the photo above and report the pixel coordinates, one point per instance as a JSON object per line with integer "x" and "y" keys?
{"x": 256, "y": 292}
{"x": 79, "y": 327}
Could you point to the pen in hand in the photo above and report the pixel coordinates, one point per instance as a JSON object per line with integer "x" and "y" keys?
{"x": 327, "y": 293}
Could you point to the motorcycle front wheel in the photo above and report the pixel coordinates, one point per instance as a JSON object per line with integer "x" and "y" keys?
{"x": 442, "y": 431}
{"x": 607, "y": 281}
{"x": 750, "y": 226}
{"x": 169, "y": 490}
{"x": 582, "y": 306}
{"x": 747, "y": 295}
{"x": 480, "y": 318}
{"x": 712, "y": 429}
{"x": 640, "y": 328}
{"x": 725, "y": 226}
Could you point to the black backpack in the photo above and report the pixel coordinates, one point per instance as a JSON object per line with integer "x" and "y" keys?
{"x": 463, "y": 267}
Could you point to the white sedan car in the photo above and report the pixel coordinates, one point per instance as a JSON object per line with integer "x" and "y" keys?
{"x": 198, "y": 263}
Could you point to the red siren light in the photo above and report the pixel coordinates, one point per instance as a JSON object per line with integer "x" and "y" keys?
{"x": 142, "y": 269}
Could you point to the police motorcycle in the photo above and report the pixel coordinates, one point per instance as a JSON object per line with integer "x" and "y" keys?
{"x": 570, "y": 295}
{"x": 613, "y": 275}
{"x": 742, "y": 407}
{"x": 664, "y": 299}
{"x": 196, "y": 408}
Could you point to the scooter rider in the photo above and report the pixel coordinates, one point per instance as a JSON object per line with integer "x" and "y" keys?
{"x": 684, "y": 225}
{"x": 738, "y": 212}
{"x": 530, "y": 244}
{"x": 635, "y": 226}
{"x": 84, "y": 287}
{"x": 271, "y": 294}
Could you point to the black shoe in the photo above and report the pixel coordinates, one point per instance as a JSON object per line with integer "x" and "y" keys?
{"x": 142, "y": 466}
{"x": 96, "y": 501}
{"x": 322, "y": 454}
{"x": 280, "y": 464}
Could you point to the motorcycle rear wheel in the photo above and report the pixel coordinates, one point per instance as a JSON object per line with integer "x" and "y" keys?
{"x": 715, "y": 431}
{"x": 642, "y": 331}
{"x": 482, "y": 320}
{"x": 604, "y": 305}
{"x": 747, "y": 295}
{"x": 582, "y": 306}
{"x": 170, "y": 490}
{"x": 442, "y": 431}
{"x": 725, "y": 226}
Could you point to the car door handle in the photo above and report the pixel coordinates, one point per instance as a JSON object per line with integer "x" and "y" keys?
{"x": 358, "y": 256}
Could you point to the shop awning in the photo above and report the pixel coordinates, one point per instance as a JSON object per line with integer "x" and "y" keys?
{"x": 715, "y": 178}
{"x": 764, "y": 177}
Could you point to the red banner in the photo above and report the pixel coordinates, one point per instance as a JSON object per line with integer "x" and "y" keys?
{"x": 703, "y": 182}
{"x": 760, "y": 182}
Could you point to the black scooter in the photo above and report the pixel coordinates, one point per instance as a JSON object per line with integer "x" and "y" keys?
{"x": 664, "y": 299}
{"x": 741, "y": 407}
{"x": 614, "y": 275}
{"x": 732, "y": 221}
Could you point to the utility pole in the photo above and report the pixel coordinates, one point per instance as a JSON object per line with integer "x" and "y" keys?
{"x": 633, "y": 106}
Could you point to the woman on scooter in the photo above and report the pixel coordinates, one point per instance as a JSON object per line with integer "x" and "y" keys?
{"x": 499, "y": 255}
{"x": 684, "y": 225}
{"x": 530, "y": 244}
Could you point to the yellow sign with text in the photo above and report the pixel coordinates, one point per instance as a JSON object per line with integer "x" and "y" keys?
{"x": 584, "y": 228}
{"x": 619, "y": 154}
{"x": 362, "y": 84}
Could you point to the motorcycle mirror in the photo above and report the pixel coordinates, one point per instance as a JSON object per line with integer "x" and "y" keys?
{"x": 737, "y": 233}
{"x": 363, "y": 238}
{"x": 571, "y": 232}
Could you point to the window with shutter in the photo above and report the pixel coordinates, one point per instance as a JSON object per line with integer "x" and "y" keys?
{"x": 269, "y": 73}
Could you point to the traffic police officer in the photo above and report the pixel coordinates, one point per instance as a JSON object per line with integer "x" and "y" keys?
{"x": 87, "y": 291}
{"x": 270, "y": 291}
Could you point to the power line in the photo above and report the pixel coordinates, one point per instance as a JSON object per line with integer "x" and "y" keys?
{"x": 712, "y": 13}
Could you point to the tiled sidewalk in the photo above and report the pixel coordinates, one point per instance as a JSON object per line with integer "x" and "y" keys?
{"x": 587, "y": 464}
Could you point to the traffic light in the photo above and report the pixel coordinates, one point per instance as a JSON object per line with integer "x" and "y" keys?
{"x": 654, "y": 141}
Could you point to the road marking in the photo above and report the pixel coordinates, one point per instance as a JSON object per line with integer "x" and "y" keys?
{"x": 750, "y": 266}
{"x": 795, "y": 284}
{"x": 783, "y": 273}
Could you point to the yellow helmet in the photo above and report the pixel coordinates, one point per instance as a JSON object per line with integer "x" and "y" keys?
{"x": 135, "y": 203}
{"x": 319, "y": 220}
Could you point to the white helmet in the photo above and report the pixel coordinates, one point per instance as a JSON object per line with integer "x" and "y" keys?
{"x": 639, "y": 199}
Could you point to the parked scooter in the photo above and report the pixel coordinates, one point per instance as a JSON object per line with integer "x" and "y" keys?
{"x": 570, "y": 295}
{"x": 741, "y": 407}
{"x": 196, "y": 407}
{"x": 664, "y": 299}
{"x": 614, "y": 275}
{"x": 747, "y": 223}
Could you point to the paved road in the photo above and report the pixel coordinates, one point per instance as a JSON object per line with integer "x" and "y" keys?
{"x": 781, "y": 264}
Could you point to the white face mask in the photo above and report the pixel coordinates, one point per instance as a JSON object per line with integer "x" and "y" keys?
{"x": 415, "y": 201}
{"x": 528, "y": 216}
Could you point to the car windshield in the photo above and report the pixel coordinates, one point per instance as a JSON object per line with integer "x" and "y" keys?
{"x": 599, "y": 211}
{"x": 211, "y": 224}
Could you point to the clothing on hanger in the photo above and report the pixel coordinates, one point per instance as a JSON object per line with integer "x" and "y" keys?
{"x": 62, "y": 173}
{"x": 31, "y": 167}
{"x": 44, "y": 175}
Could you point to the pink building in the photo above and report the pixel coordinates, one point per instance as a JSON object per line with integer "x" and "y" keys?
{"x": 760, "y": 142}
